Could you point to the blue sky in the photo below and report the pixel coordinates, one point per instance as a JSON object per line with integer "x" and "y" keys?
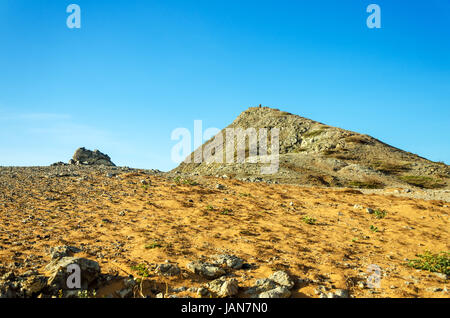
{"x": 136, "y": 70}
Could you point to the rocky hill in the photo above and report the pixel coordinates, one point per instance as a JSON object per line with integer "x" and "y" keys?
{"x": 312, "y": 153}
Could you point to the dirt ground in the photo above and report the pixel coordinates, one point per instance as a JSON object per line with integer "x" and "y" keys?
{"x": 131, "y": 218}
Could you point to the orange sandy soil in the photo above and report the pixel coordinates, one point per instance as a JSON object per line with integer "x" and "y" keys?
{"x": 263, "y": 228}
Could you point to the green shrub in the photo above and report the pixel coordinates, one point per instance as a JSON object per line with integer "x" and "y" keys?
{"x": 142, "y": 270}
{"x": 153, "y": 245}
{"x": 379, "y": 214}
{"x": 439, "y": 263}
{"x": 226, "y": 212}
{"x": 309, "y": 220}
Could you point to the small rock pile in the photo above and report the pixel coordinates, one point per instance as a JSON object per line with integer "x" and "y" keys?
{"x": 278, "y": 285}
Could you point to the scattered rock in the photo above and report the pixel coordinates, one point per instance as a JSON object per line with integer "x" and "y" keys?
{"x": 192, "y": 289}
{"x": 59, "y": 252}
{"x": 125, "y": 293}
{"x": 33, "y": 285}
{"x": 223, "y": 287}
{"x": 441, "y": 276}
{"x": 180, "y": 289}
{"x": 340, "y": 293}
{"x": 129, "y": 282}
{"x": 262, "y": 285}
{"x": 283, "y": 279}
{"x": 205, "y": 270}
{"x": 434, "y": 289}
{"x": 202, "y": 292}
{"x": 278, "y": 292}
{"x": 168, "y": 269}
{"x": 370, "y": 211}
{"x": 220, "y": 186}
{"x": 230, "y": 261}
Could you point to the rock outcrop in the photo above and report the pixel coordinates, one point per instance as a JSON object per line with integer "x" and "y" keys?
{"x": 84, "y": 156}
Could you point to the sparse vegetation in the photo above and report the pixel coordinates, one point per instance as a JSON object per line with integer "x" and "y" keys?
{"x": 86, "y": 294}
{"x": 367, "y": 183}
{"x": 152, "y": 245}
{"x": 226, "y": 212}
{"x": 314, "y": 133}
{"x": 341, "y": 155}
{"x": 390, "y": 167}
{"x": 439, "y": 262}
{"x": 358, "y": 139}
{"x": 141, "y": 269}
{"x": 374, "y": 228}
{"x": 309, "y": 220}
{"x": 423, "y": 182}
{"x": 179, "y": 180}
{"x": 190, "y": 182}
{"x": 379, "y": 214}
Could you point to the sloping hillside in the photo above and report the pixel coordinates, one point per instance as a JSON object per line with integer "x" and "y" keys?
{"x": 313, "y": 153}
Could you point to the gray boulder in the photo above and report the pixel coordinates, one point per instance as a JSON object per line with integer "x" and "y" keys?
{"x": 58, "y": 269}
{"x": 340, "y": 293}
{"x": 223, "y": 287}
{"x": 84, "y": 156}
{"x": 168, "y": 269}
{"x": 33, "y": 285}
{"x": 283, "y": 279}
{"x": 261, "y": 285}
{"x": 205, "y": 270}
{"x": 278, "y": 292}
{"x": 230, "y": 261}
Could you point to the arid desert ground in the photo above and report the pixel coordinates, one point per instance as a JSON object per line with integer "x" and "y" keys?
{"x": 151, "y": 233}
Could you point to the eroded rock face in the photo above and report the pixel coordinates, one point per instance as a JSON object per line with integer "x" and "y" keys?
{"x": 84, "y": 156}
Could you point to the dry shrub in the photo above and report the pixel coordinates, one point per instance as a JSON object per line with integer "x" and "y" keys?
{"x": 367, "y": 183}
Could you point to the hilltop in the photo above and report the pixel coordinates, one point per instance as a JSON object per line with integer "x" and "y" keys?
{"x": 312, "y": 153}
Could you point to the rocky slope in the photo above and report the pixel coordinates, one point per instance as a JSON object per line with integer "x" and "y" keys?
{"x": 313, "y": 153}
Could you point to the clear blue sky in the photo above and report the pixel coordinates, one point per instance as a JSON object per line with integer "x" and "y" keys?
{"x": 136, "y": 70}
